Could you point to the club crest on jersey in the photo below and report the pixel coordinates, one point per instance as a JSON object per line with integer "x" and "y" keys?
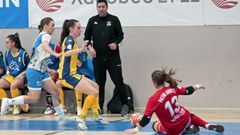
{"x": 109, "y": 23}
{"x": 14, "y": 66}
{"x": 69, "y": 47}
{"x": 19, "y": 59}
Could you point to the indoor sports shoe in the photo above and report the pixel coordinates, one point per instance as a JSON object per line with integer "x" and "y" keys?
{"x": 64, "y": 110}
{"x": 16, "y": 110}
{"x": 217, "y": 128}
{"x": 5, "y": 108}
{"x": 192, "y": 129}
{"x": 48, "y": 110}
{"x": 100, "y": 120}
{"x": 81, "y": 123}
{"x": 62, "y": 120}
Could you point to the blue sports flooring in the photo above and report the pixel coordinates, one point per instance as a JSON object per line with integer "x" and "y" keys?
{"x": 231, "y": 128}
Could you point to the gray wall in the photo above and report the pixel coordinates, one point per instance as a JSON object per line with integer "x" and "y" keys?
{"x": 201, "y": 54}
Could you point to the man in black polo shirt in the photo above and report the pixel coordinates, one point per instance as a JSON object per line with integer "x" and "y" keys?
{"x": 105, "y": 31}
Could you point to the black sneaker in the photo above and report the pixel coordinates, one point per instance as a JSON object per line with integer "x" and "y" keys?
{"x": 192, "y": 129}
{"x": 124, "y": 110}
{"x": 48, "y": 110}
{"x": 217, "y": 128}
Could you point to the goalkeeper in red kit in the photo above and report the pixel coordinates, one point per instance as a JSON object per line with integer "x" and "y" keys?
{"x": 173, "y": 118}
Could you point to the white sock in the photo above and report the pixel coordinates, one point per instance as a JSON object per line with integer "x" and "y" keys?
{"x": 16, "y": 101}
{"x": 59, "y": 110}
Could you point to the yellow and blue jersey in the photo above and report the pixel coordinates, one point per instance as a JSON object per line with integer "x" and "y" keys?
{"x": 17, "y": 63}
{"x": 2, "y": 65}
{"x": 53, "y": 62}
{"x": 68, "y": 65}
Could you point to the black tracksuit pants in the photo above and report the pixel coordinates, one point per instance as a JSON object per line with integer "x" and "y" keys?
{"x": 112, "y": 64}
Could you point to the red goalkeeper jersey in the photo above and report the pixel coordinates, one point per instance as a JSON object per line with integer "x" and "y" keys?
{"x": 164, "y": 103}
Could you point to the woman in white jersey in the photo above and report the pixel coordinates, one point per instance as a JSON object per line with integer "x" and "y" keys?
{"x": 36, "y": 72}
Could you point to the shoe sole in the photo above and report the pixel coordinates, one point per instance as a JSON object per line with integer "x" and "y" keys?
{"x": 192, "y": 129}
{"x": 217, "y": 128}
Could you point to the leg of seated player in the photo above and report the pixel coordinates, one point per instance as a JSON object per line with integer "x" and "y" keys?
{"x": 17, "y": 83}
{"x": 14, "y": 92}
{"x": 3, "y": 85}
{"x": 200, "y": 122}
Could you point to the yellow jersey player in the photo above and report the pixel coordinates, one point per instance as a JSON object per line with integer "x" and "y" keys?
{"x": 68, "y": 71}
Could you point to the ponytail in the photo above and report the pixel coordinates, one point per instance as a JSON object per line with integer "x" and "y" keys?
{"x": 65, "y": 28}
{"x": 15, "y": 38}
{"x": 160, "y": 77}
{"x": 44, "y": 21}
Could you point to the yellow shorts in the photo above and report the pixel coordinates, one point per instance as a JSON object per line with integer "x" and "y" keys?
{"x": 9, "y": 78}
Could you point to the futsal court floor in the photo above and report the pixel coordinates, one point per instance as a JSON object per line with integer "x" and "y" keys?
{"x": 39, "y": 124}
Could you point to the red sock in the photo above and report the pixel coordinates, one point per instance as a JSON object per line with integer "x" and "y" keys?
{"x": 198, "y": 121}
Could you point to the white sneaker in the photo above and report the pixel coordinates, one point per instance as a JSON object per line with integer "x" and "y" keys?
{"x": 100, "y": 120}
{"x": 5, "y": 108}
{"x": 16, "y": 110}
{"x": 62, "y": 120}
{"x": 81, "y": 123}
{"x": 79, "y": 110}
{"x": 48, "y": 110}
{"x": 64, "y": 110}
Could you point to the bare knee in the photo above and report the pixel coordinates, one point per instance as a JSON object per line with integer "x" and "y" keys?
{"x": 59, "y": 84}
{"x": 16, "y": 84}
{"x": 13, "y": 86}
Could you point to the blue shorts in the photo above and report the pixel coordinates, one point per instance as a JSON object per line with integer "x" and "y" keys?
{"x": 71, "y": 81}
{"x": 36, "y": 78}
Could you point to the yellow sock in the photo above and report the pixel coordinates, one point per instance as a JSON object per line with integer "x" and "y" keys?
{"x": 61, "y": 96}
{"x": 95, "y": 108}
{"x": 14, "y": 92}
{"x": 88, "y": 103}
{"x": 78, "y": 99}
{"x": 3, "y": 94}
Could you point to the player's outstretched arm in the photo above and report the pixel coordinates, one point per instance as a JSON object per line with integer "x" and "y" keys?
{"x": 191, "y": 89}
{"x": 198, "y": 86}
